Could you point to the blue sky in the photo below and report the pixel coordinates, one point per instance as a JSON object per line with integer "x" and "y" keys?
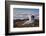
{"x": 25, "y": 11}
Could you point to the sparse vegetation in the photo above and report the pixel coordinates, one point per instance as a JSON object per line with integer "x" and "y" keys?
{"x": 18, "y": 23}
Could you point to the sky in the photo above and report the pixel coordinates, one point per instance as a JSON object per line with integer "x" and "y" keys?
{"x": 24, "y": 11}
